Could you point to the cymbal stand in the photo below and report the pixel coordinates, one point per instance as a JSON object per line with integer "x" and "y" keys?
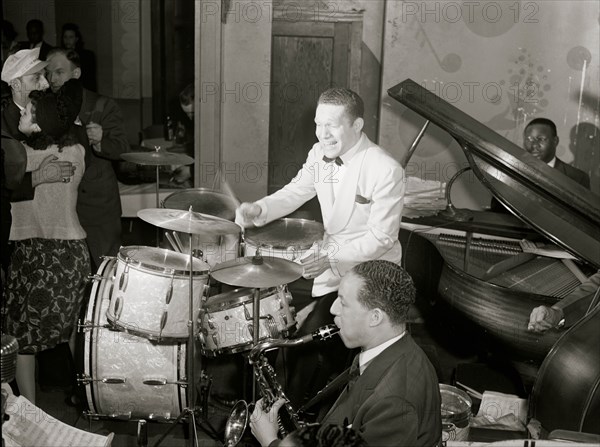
{"x": 157, "y": 148}
{"x": 190, "y": 410}
{"x": 257, "y": 259}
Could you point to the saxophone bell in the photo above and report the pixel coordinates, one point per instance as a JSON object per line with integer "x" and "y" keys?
{"x": 237, "y": 423}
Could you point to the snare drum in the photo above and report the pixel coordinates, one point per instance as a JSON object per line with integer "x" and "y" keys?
{"x": 215, "y": 249}
{"x": 127, "y": 376}
{"x": 287, "y": 238}
{"x": 227, "y": 319}
{"x": 150, "y": 296}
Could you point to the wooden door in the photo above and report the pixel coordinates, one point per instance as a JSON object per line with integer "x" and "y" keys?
{"x": 307, "y": 58}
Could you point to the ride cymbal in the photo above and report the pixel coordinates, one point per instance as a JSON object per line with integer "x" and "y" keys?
{"x": 157, "y": 158}
{"x": 188, "y": 221}
{"x": 257, "y": 272}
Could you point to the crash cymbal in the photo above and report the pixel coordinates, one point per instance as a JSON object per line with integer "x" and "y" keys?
{"x": 257, "y": 272}
{"x": 159, "y": 157}
{"x": 188, "y": 221}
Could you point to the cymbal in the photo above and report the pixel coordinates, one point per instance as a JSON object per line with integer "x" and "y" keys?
{"x": 188, "y": 221}
{"x": 257, "y": 272}
{"x": 157, "y": 158}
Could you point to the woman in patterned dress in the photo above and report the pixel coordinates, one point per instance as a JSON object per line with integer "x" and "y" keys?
{"x": 50, "y": 262}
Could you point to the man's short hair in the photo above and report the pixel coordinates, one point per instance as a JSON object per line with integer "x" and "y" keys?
{"x": 544, "y": 122}
{"x": 386, "y": 286}
{"x": 352, "y": 102}
{"x": 71, "y": 55}
{"x": 35, "y": 22}
{"x": 186, "y": 97}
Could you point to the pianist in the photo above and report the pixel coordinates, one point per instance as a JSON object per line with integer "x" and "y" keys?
{"x": 540, "y": 139}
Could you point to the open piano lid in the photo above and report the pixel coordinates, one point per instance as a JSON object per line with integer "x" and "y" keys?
{"x": 561, "y": 209}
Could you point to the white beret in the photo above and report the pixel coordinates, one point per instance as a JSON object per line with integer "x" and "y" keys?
{"x": 24, "y": 62}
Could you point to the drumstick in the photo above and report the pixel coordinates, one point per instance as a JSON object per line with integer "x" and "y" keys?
{"x": 179, "y": 244}
{"x": 229, "y": 191}
{"x": 172, "y": 242}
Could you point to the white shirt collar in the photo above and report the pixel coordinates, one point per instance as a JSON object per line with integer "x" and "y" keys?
{"x": 19, "y": 106}
{"x": 366, "y": 356}
{"x": 552, "y": 162}
{"x": 353, "y": 150}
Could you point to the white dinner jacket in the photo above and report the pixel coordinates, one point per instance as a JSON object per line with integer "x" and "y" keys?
{"x": 362, "y": 222}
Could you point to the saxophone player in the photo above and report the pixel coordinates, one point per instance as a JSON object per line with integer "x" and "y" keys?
{"x": 392, "y": 397}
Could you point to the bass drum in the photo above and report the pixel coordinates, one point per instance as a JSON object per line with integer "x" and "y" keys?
{"x": 125, "y": 376}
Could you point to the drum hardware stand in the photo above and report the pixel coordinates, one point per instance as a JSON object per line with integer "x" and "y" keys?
{"x": 191, "y": 411}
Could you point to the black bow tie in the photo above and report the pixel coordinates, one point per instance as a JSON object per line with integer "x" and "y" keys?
{"x": 338, "y": 161}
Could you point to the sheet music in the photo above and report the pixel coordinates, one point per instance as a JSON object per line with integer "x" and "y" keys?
{"x": 495, "y": 405}
{"x": 30, "y": 426}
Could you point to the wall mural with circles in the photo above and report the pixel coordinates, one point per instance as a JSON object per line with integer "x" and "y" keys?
{"x": 502, "y": 62}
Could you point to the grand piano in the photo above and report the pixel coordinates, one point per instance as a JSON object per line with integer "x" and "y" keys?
{"x": 487, "y": 277}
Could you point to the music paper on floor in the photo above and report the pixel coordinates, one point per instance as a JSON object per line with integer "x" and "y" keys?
{"x": 30, "y": 426}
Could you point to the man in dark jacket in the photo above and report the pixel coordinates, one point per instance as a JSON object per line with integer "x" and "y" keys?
{"x": 99, "y": 202}
{"x": 392, "y": 397}
{"x": 540, "y": 139}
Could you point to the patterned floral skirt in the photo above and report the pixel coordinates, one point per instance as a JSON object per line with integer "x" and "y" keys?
{"x": 45, "y": 289}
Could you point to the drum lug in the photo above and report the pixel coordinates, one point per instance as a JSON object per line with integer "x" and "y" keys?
{"x": 155, "y": 381}
{"x": 247, "y": 314}
{"x": 169, "y": 295}
{"x": 113, "y": 380}
{"x": 124, "y": 279}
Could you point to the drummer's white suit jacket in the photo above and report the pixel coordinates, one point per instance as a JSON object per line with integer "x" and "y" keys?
{"x": 361, "y": 222}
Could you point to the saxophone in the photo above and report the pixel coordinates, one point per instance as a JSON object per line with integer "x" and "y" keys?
{"x": 269, "y": 388}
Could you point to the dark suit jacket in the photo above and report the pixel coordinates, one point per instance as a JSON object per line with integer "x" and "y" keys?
{"x": 571, "y": 172}
{"x": 395, "y": 401}
{"x": 44, "y": 49}
{"x": 99, "y": 200}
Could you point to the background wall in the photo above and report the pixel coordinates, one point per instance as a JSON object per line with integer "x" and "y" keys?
{"x": 245, "y": 96}
{"x": 19, "y": 12}
{"x": 503, "y": 63}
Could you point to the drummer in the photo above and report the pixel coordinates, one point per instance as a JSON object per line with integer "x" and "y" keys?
{"x": 360, "y": 188}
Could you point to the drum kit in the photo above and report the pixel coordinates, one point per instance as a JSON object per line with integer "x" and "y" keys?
{"x": 151, "y": 307}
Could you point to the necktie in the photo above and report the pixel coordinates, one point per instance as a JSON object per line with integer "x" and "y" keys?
{"x": 354, "y": 373}
{"x": 338, "y": 161}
